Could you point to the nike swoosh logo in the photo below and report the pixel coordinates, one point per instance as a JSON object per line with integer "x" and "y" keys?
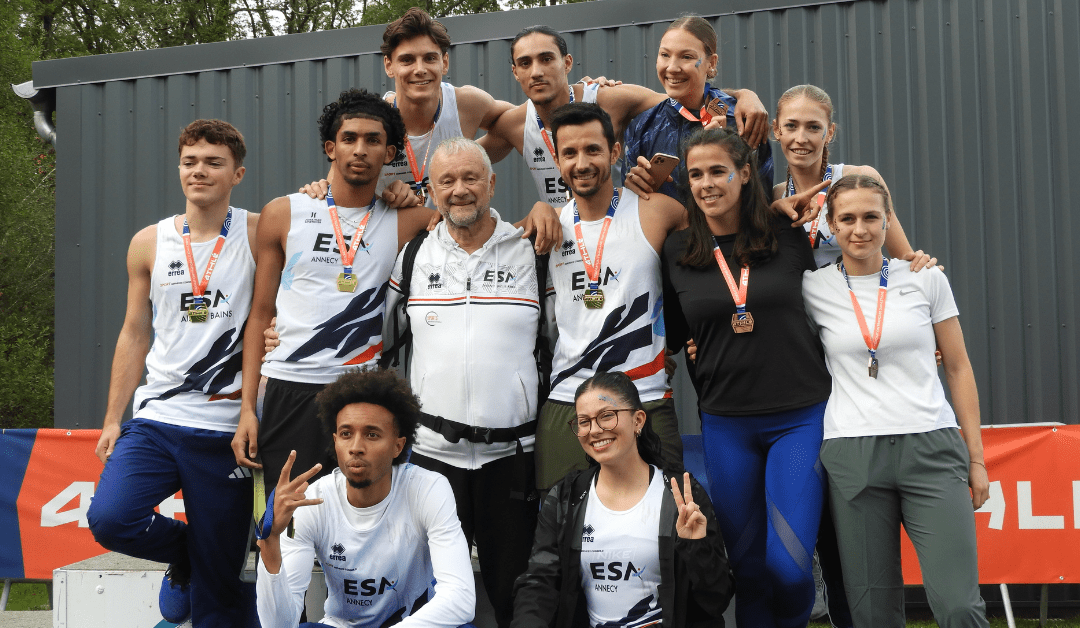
{"x": 903, "y": 292}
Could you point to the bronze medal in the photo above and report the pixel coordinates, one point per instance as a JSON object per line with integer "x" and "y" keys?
{"x": 346, "y": 282}
{"x": 872, "y": 368}
{"x": 594, "y": 299}
{"x": 717, "y": 110}
{"x": 742, "y": 325}
{"x": 198, "y": 313}
{"x": 420, "y": 193}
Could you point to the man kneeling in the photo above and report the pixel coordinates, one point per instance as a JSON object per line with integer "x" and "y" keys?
{"x": 383, "y": 531}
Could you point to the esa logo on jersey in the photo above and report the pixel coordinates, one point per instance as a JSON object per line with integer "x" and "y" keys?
{"x": 578, "y": 279}
{"x": 327, "y": 243}
{"x": 187, "y": 299}
{"x": 538, "y": 155}
{"x": 338, "y": 552}
{"x": 568, "y": 248}
{"x": 176, "y": 268}
{"x": 367, "y": 588}
{"x": 554, "y": 185}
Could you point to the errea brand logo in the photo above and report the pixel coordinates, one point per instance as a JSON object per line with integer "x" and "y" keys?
{"x": 338, "y": 552}
{"x": 568, "y": 248}
{"x": 587, "y": 533}
{"x": 434, "y": 281}
{"x": 176, "y": 268}
{"x": 538, "y": 154}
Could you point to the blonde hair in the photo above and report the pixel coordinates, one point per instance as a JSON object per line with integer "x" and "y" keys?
{"x": 815, "y": 94}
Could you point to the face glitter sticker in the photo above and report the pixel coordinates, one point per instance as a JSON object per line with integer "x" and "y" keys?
{"x": 606, "y": 398}
{"x": 731, "y": 175}
{"x": 698, "y": 64}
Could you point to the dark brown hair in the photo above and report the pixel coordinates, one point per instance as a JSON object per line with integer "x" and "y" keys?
{"x": 755, "y": 242}
{"x": 855, "y": 182}
{"x": 215, "y": 132}
{"x": 360, "y": 103}
{"x": 620, "y": 384}
{"x": 414, "y": 23}
{"x": 698, "y": 27}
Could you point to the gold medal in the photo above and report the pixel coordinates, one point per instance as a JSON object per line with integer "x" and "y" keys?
{"x": 198, "y": 313}
{"x": 742, "y": 325}
{"x": 594, "y": 299}
{"x": 346, "y": 282}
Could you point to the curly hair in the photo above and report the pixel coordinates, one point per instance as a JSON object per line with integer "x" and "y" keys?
{"x": 756, "y": 241}
{"x": 360, "y": 103}
{"x": 215, "y": 132}
{"x": 378, "y": 387}
{"x": 414, "y": 23}
{"x": 620, "y": 384}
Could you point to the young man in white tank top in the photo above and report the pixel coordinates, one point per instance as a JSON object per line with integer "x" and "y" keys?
{"x": 606, "y": 285}
{"x": 323, "y": 268}
{"x": 416, "y": 56}
{"x": 190, "y": 282}
{"x": 541, "y": 64}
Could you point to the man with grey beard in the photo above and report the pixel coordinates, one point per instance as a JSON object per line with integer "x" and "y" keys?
{"x": 470, "y": 295}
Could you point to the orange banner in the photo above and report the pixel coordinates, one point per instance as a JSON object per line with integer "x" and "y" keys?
{"x": 61, "y": 476}
{"x": 1029, "y": 529}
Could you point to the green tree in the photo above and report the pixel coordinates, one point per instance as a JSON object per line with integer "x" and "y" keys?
{"x": 26, "y": 244}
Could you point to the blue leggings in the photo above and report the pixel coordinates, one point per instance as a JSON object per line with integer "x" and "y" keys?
{"x": 766, "y": 485}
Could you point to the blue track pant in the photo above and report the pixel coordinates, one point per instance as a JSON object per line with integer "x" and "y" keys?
{"x": 766, "y": 485}
{"x": 153, "y": 460}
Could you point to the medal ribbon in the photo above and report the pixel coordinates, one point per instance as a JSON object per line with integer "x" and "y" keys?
{"x": 543, "y": 131}
{"x": 593, "y": 271}
{"x": 737, "y": 295}
{"x": 820, "y": 198}
{"x": 879, "y": 316}
{"x": 705, "y": 116}
{"x": 198, "y": 285}
{"x": 418, "y": 172}
{"x": 348, "y": 252}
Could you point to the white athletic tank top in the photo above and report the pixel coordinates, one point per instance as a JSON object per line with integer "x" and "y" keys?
{"x": 620, "y": 559}
{"x": 325, "y": 332}
{"x": 193, "y": 369}
{"x": 545, "y": 172}
{"x": 825, "y": 246}
{"x": 447, "y": 126}
{"x": 627, "y": 334}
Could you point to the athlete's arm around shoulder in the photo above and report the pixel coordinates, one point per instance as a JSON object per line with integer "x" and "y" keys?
{"x": 661, "y": 215}
{"x": 271, "y": 235}
{"x": 506, "y": 134}
{"x": 129, "y": 359}
{"x": 477, "y": 109}
{"x": 624, "y": 102}
{"x": 412, "y": 221}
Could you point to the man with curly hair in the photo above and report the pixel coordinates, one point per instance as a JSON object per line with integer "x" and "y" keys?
{"x": 383, "y": 530}
{"x": 322, "y": 269}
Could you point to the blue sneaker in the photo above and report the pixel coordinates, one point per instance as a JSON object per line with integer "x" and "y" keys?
{"x": 174, "y": 599}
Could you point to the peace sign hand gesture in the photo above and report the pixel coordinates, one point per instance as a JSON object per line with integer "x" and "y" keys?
{"x": 691, "y": 523}
{"x": 289, "y": 495}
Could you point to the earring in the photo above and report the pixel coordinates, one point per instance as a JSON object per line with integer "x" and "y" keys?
{"x": 637, "y": 433}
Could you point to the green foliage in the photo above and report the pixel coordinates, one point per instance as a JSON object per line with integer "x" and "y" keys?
{"x": 27, "y": 187}
{"x": 29, "y": 596}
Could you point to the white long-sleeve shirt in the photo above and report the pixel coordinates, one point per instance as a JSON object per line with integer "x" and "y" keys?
{"x": 405, "y": 557}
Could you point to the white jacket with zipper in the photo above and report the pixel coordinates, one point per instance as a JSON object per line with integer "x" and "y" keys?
{"x": 474, "y": 322}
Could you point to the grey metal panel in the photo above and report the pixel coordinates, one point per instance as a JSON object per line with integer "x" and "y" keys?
{"x": 960, "y": 104}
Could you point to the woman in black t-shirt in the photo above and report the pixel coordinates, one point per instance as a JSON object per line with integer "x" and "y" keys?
{"x": 733, "y": 282}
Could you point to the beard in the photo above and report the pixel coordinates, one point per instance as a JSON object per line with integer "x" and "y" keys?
{"x": 361, "y": 484}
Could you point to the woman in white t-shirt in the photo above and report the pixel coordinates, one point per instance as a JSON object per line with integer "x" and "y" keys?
{"x": 622, "y": 543}
{"x": 892, "y": 449}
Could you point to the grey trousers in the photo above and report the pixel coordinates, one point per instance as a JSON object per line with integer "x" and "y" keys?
{"x": 878, "y": 482}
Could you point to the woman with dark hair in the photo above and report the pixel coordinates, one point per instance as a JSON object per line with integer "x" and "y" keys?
{"x": 622, "y": 543}
{"x": 892, "y": 448}
{"x": 733, "y": 282}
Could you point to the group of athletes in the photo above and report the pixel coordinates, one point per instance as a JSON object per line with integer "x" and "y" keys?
{"x": 537, "y": 422}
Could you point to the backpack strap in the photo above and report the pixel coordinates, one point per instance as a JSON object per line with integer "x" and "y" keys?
{"x": 403, "y": 337}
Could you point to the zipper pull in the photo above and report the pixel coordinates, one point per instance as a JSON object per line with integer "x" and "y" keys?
{"x": 468, "y": 284}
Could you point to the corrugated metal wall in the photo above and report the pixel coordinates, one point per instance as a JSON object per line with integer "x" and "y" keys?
{"x": 960, "y": 104}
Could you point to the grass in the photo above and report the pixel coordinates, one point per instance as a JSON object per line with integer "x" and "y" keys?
{"x": 28, "y": 596}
